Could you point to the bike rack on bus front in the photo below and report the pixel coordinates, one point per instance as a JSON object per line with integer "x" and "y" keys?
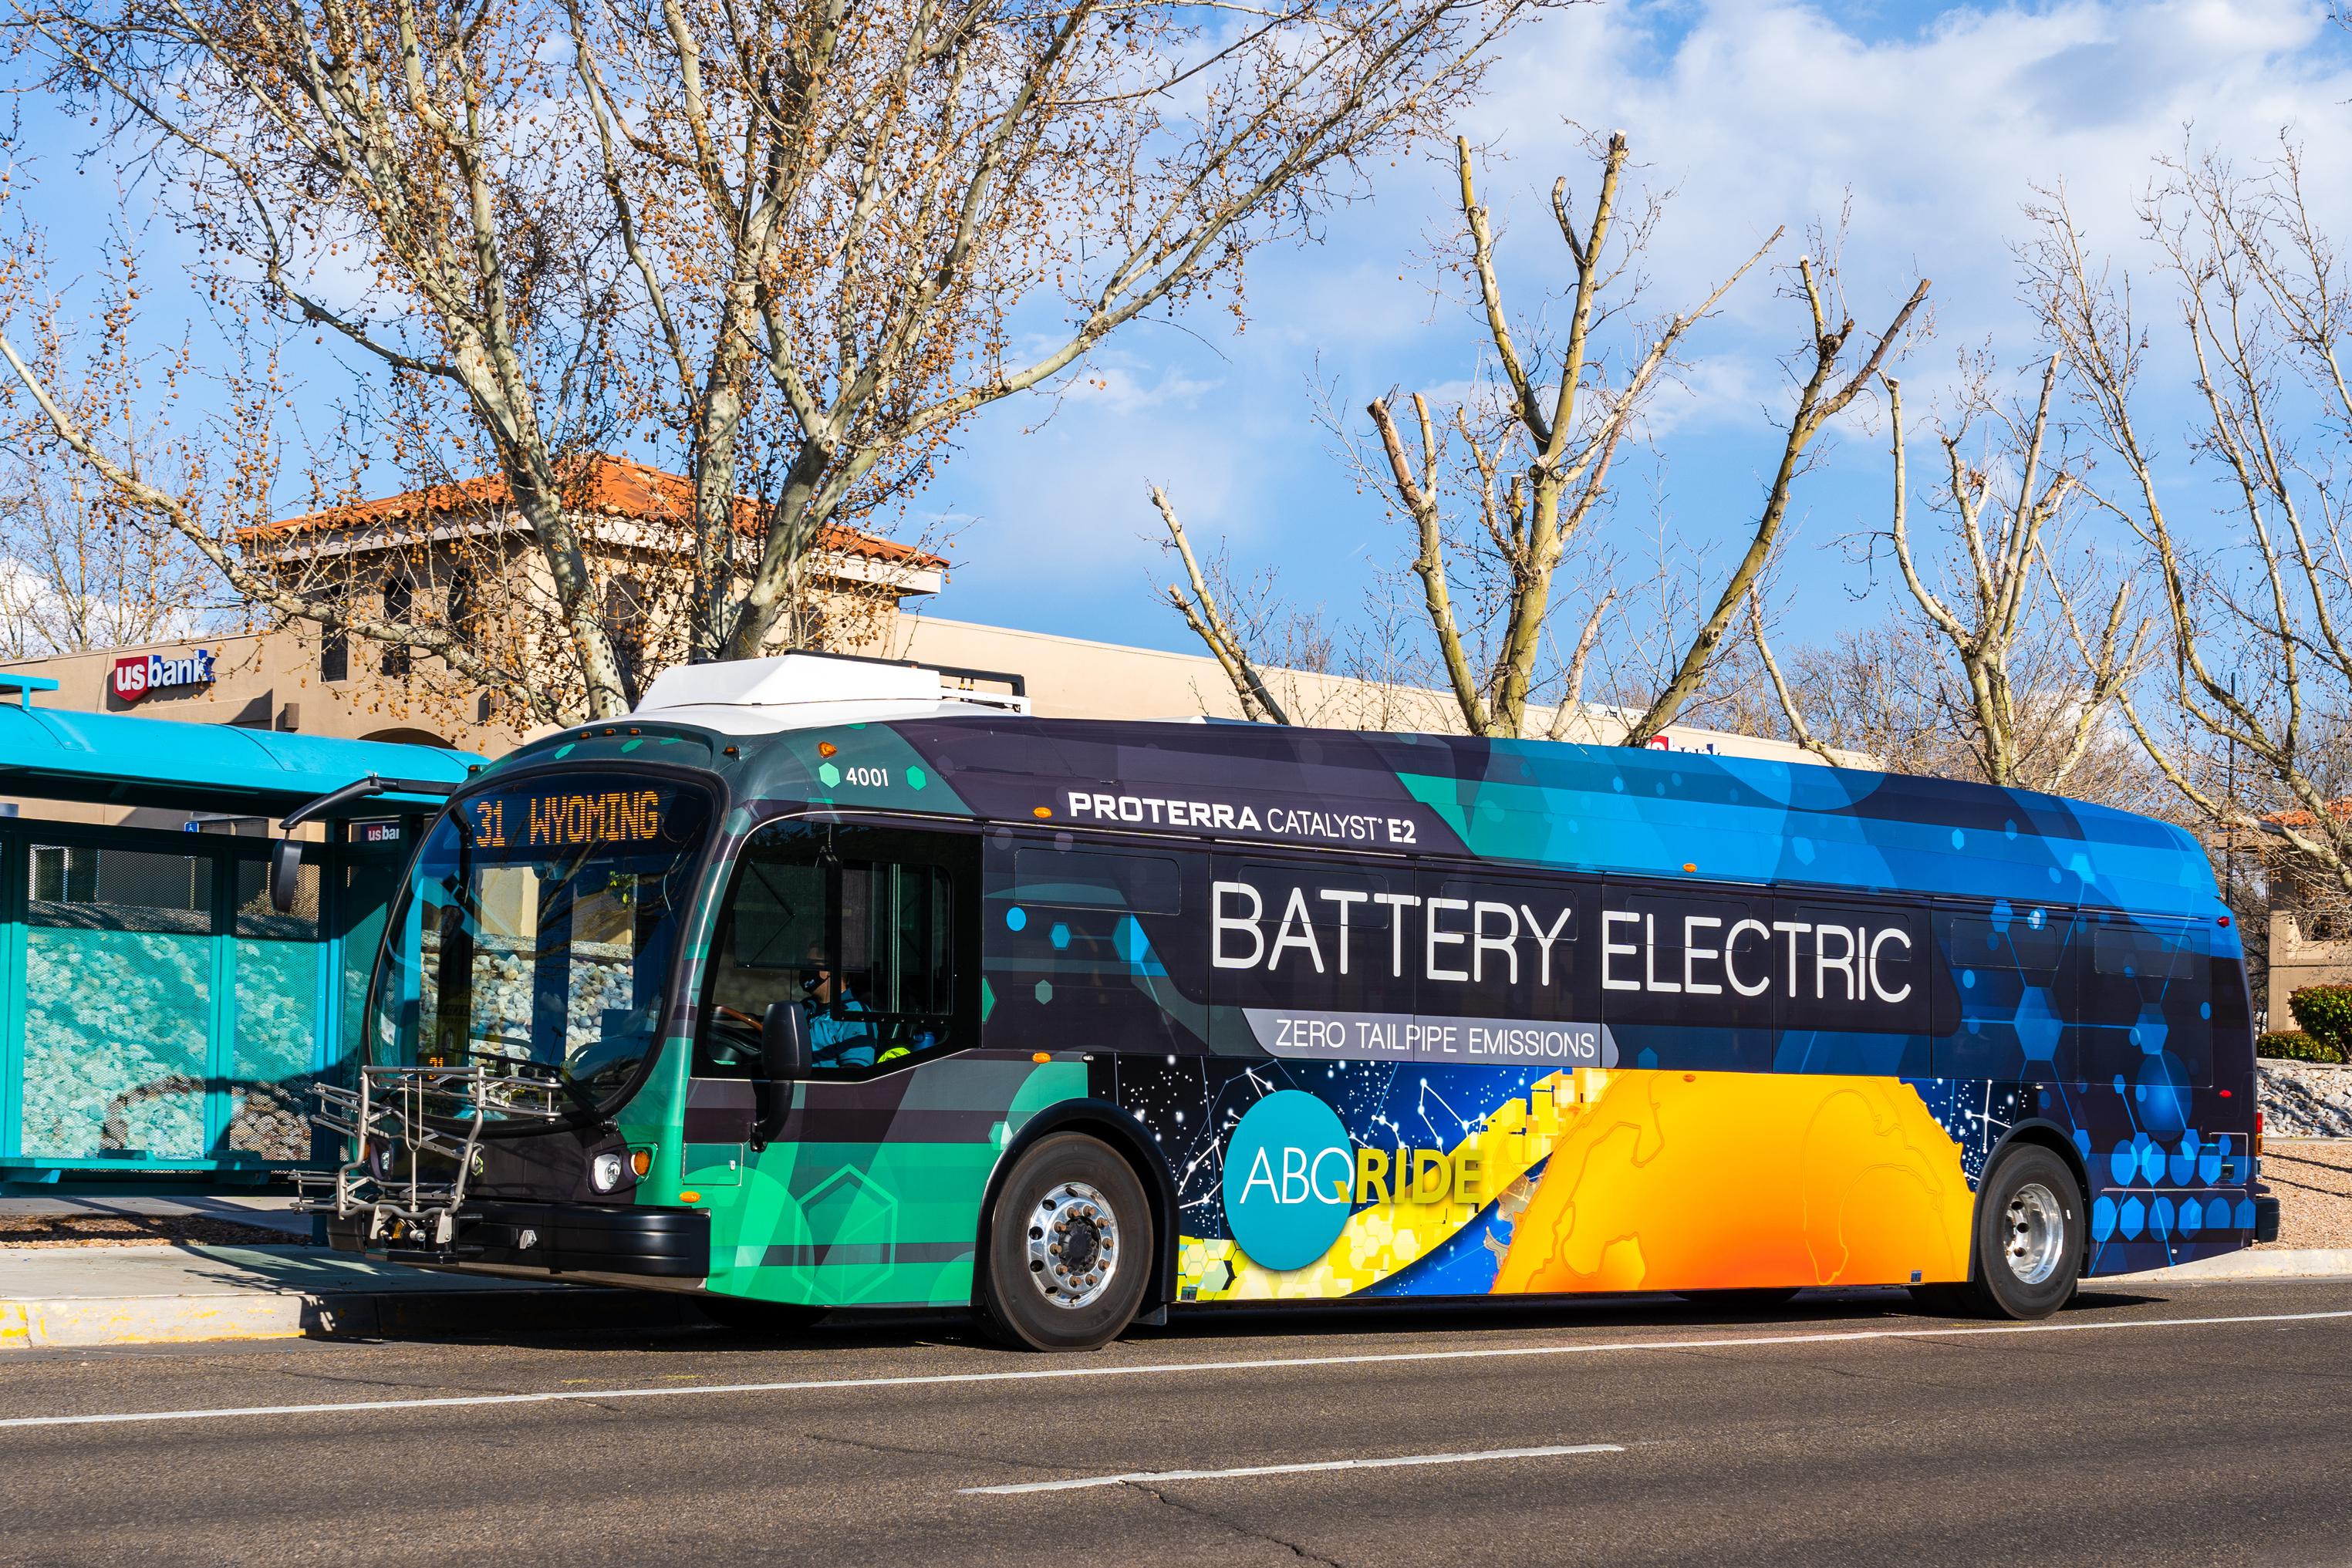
{"x": 396, "y": 1119}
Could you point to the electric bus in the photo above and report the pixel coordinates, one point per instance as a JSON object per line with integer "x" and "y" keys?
{"x": 821, "y": 983}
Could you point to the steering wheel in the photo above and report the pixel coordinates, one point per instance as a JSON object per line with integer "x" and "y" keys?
{"x": 735, "y": 1032}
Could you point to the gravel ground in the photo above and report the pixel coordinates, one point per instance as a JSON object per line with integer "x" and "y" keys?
{"x": 131, "y": 1231}
{"x": 2312, "y": 1179}
{"x": 2301, "y": 1100}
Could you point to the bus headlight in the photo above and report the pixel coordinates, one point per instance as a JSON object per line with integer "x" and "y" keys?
{"x": 607, "y": 1172}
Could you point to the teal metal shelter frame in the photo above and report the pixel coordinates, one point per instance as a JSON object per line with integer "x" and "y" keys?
{"x": 158, "y": 1013}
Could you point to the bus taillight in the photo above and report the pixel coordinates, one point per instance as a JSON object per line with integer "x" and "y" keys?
{"x": 2258, "y": 1135}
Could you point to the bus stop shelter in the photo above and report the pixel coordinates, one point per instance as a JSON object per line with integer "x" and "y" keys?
{"x": 157, "y": 1012}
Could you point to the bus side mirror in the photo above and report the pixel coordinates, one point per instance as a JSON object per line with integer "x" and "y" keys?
{"x": 784, "y": 1062}
{"x": 783, "y": 1042}
{"x": 285, "y": 874}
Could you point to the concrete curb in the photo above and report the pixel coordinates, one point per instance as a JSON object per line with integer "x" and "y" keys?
{"x": 89, "y": 1323}
{"x": 2256, "y": 1263}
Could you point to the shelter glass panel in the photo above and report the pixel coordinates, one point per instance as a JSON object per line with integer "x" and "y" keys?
{"x": 119, "y": 993}
{"x": 276, "y": 1042}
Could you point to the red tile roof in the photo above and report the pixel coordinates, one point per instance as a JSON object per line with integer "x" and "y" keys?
{"x": 600, "y": 484}
{"x": 2299, "y": 817}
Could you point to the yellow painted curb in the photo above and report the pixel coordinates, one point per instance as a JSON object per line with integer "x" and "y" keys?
{"x": 149, "y": 1320}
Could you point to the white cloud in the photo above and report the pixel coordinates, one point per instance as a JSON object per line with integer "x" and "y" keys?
{"x": 1767, "y": 113}
{"x": 1127, "y": 387}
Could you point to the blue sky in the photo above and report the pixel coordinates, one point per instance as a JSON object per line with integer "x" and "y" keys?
{"x": 1936, "y": 121}
{"x": 1939, "y": 120}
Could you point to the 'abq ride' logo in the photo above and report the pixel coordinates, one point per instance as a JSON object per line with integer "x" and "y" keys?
{"x": 1292, "y": 1177}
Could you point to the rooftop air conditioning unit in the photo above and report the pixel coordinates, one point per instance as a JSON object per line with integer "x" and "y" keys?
{"x": 793, "y": 680}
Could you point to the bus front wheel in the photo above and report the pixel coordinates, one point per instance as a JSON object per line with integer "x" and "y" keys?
{"x": 1070, "y": 1247}
{"x": 2029, "y": 1240}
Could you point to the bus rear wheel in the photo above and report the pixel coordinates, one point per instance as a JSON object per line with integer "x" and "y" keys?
{"x": 1070, "y": 1247}
{"x": 2028, "y": 1248}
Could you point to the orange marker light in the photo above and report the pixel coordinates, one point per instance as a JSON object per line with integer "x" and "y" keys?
{"x": 690, "y": 1197}
{"x": 1040, "y": 1056}
{"x": 641, "y": 1160}
{"x": 1040, "y": 812}
{"x": 1690, "y": 866}
{"x": 826, "y": 748}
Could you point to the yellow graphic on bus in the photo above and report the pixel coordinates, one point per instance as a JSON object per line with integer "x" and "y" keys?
{"x": 1650, "y": 1180}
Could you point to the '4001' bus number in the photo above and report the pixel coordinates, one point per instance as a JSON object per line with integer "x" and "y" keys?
{"x": 869, "y": 777}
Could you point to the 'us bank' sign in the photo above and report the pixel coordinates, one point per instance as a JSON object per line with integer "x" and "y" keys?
{"x": 136, "y": 677}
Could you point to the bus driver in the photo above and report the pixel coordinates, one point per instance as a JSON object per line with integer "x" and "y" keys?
{"x": 835, "y": 1038}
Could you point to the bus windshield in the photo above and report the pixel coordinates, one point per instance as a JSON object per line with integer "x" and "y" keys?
{"x": 539, "y": 925}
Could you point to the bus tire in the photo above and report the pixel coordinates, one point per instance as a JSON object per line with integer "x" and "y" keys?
{"x": 2029, "y": 1228}
{"x": 1070, "y": 1247}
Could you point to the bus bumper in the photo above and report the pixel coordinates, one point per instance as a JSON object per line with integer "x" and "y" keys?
{"x": 558, "y": 1238}
{"x": 2266, "y": 1218}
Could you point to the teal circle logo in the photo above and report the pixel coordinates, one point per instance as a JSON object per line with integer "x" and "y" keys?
{"x": 1289, "y": 1170}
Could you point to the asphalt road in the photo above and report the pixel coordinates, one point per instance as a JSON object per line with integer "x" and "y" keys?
{"x": 2202, "y": 1425}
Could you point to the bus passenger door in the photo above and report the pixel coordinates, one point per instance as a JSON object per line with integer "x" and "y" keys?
{"x": 866, "y": 1191}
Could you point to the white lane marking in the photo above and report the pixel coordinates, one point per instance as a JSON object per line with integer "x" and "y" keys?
{"x": 1157, "y": 1369}
{"x": 1150, "y": 1477}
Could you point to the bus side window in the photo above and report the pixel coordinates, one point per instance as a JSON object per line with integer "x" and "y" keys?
{"x": 1853, "y": 985}
{"x": 1523, "y": 954}
{"x": 1687, "y": 981}
{"x": 1323, "y": 940}
{"x": 857, "y": 928}
{"x": 2006, "y": 1008}
{"x": 1093, "y": 948}
{"x": 774, "y": 919}
{"x": 2146, "y": 1001}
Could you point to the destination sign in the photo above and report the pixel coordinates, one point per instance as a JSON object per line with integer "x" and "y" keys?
{"x": 567, "y": 819}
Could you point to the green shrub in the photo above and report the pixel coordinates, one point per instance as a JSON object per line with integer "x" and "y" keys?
{"x": 2295, "y": 1045}
{"x": 2324, "y": 1013}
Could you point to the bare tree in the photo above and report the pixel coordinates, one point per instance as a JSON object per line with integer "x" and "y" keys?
{"x": 1792, "y": 708}
{"x": 75, "y": 576}
{"x": 1499, "y": 488}
{"x": 74, "y": 404}
{"x": 788, "y": 241}
{"x": 2259, "y": 669}
{"x": 1821, "y": 396}
{"x": 1539, "y": 455}
{"x": 1197, "y": 602}
{"x": 1988, "y": 600}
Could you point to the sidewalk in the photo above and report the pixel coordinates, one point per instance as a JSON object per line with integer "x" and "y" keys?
{"x": 85, "y": 1217}
{"x": 2252, "y": 1263}
{"x": 53, "y": 1297}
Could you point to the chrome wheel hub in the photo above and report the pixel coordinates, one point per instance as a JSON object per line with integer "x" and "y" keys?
{"x": 1073, "y": 1244}
{"x": 2034, "y": 1236}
